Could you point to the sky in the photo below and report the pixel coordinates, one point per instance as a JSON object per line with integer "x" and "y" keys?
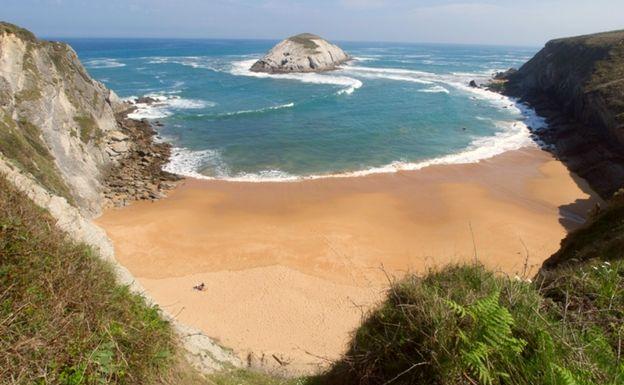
{"x": 502, "y": 22}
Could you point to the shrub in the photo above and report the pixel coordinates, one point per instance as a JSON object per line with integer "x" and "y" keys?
{"x": 466, "y": 325}
{"x": 63, "y": 318}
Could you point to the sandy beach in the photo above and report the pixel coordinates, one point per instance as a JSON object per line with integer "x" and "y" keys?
{"x": 291, "y": 267}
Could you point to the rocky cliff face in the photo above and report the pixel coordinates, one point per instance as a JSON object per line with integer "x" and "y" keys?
{"x": 69, "y": 131}
{"x": 55, "y": 121}
{"x": 301, "y": 53}
{"x": 578, "y": 84}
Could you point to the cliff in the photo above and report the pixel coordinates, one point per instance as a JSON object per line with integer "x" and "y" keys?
{"x": 301, "y": 53}
{"x": 578, "y": 84}
{"x": 69, "y": 131}
{"x": 68, "y": 147}
{"x": 55, "y": 121}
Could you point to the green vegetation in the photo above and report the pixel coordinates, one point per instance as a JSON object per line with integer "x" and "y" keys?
{"x": 608, "y": 80}
{"x": 22, "y": 144}
{"x": 31, "y": 91}
{"x": 15, "y": 30}
{"x": 243, "y": 377}
{"x": 63, "y": 319}
{"x": 466, "y": 325}
{"x": 89, "y": 128}
{"x": 603, "y": 238}
{"x": 305, "y": 39}
{"x": 67, "y": 63}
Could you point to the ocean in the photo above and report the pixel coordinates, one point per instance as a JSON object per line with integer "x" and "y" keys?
{"x": 394, "y": 107}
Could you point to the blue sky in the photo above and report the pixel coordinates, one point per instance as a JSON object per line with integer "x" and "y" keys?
{"x": 527, "y": 22}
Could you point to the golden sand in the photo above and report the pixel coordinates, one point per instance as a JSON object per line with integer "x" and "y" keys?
{"x": 290, "y": 267}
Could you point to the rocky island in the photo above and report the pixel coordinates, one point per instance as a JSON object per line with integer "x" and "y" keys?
{"x": 301, "y": 53}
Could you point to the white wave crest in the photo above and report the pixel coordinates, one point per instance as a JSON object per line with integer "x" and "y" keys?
{"x": 457, "y": 80}
{"x": 259, "y": 110}
{"x": 435, "y": 89}
{"x": 242, "y": 68}
{"x": 365, "y": 58}
{"x": 164, "y": 106}
{"x": 103, "y": 63}
{"x": 382, "y": 70}
{"x": 190, "y": 163}
{"x": 397, "y": 74}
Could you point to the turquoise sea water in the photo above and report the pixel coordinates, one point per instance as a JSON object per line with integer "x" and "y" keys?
{"x": 395, "y": 106}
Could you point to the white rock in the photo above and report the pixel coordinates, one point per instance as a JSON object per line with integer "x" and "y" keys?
{"x": 301, "y": 53}
{"x": 117, "y": 136}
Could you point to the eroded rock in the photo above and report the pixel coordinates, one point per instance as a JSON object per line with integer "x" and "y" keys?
{"x": 302, "y": 53}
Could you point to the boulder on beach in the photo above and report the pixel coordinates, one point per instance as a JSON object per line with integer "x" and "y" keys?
{"x": 301, "y": 53}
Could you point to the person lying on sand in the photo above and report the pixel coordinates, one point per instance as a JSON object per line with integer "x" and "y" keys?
{"x": 199, "y": 287}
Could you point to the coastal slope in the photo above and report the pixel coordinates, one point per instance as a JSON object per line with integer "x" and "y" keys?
{"x": 301, "y": 53}
{"x": 578, "y": 84}
{"x": 68, "y": 146}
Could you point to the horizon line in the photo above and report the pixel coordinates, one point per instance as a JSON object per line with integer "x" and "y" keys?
{"x": 52, "y": 38}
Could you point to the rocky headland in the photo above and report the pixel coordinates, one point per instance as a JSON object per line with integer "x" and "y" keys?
{"x": 577, "y": 83}
{"x": 71, "y": 133}
{"x": 301, "y": 53}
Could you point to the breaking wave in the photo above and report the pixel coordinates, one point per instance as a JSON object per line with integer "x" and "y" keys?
{"x": 164, "y": 105}
{"x": 348, "y": 84}
{"x": 103, "y": 63}
{"x": 257, "y": 111}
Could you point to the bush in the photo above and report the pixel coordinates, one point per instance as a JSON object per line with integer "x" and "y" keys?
{"x": 63, "y": 318}
{"x": 466, "y": 325}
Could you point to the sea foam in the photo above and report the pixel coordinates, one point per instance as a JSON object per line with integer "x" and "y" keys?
{"x": 103, "y": 63}
{"x": 257, "y": 111}
{"x": 165, "y": 105}
{"x": 348, "y": 84}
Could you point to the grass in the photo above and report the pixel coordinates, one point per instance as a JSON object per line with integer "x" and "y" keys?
{"x": 21, "y": 142}
{"x": 603, "y": 238}
{"x": 246, "y": 376}
{"x": 18, "y": 31}
{"x": 63, "y": 319}
{"x": 305, "y": 39}
{"x": 89, "y": 128}
{"x": 467, "y": 325}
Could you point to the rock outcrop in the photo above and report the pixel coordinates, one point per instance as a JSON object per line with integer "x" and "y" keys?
{"x": 139, "y": 174}
{"x": 577, "y": 83}
{"x": 302, "y": 53}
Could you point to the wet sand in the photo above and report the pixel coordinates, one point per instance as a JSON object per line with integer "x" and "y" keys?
{"x": 290, "y": 267}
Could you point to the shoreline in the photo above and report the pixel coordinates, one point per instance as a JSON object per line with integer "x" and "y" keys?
{"x": 290, "y": 268}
